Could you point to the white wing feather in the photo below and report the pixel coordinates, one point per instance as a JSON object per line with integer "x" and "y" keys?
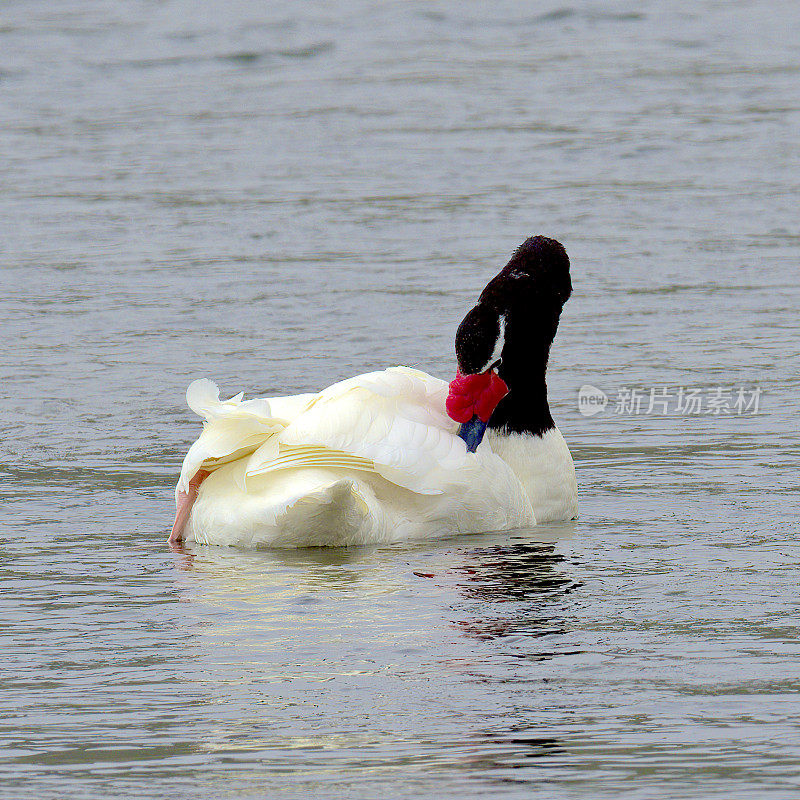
{"x": 394, "y": 422}
{"x": 233, "y": 428}
{"x": 391, "y": 422}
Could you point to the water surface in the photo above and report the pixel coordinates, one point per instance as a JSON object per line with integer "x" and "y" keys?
{"x": 279, "y": 196}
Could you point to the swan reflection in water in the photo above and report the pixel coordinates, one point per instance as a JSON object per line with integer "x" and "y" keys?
{"x": 494, "y": 587}
{"x": 502, "y": 579}
{"x": 489, "y": 567}
{"x": 346, "y": 648}
{"x": 514, "y": 598}
{"x": 519, "y": 588}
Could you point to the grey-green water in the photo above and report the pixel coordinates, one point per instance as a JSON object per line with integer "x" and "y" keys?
{"x": 279, "y": 195}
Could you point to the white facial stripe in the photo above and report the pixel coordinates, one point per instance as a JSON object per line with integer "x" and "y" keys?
{"x": 498, "y": 345}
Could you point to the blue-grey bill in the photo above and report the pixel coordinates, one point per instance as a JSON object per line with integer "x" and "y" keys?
{"x": 472, "y": 432}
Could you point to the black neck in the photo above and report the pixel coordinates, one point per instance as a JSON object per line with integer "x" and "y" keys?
{"x": 526, "y": 348}
{"x": 528, "y": 295}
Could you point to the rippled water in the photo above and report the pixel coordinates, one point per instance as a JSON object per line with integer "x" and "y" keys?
{"x": 281, "y": 195}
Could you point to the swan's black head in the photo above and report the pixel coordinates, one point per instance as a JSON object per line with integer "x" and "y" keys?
{"x": 540, "y": 265}
{"x": 516, "y": 318}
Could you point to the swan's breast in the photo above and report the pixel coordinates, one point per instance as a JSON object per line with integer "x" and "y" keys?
{"x": 545, "y": 469}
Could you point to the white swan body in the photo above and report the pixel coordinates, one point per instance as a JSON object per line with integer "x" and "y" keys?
{"x": 377, "y": 459}
{"x": 373, "y": 459}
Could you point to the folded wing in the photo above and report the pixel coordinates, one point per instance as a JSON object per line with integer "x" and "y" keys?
{"x": 393, "y": 423}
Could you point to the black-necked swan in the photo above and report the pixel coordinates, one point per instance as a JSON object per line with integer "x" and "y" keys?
{"x": 377, "y": 458}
